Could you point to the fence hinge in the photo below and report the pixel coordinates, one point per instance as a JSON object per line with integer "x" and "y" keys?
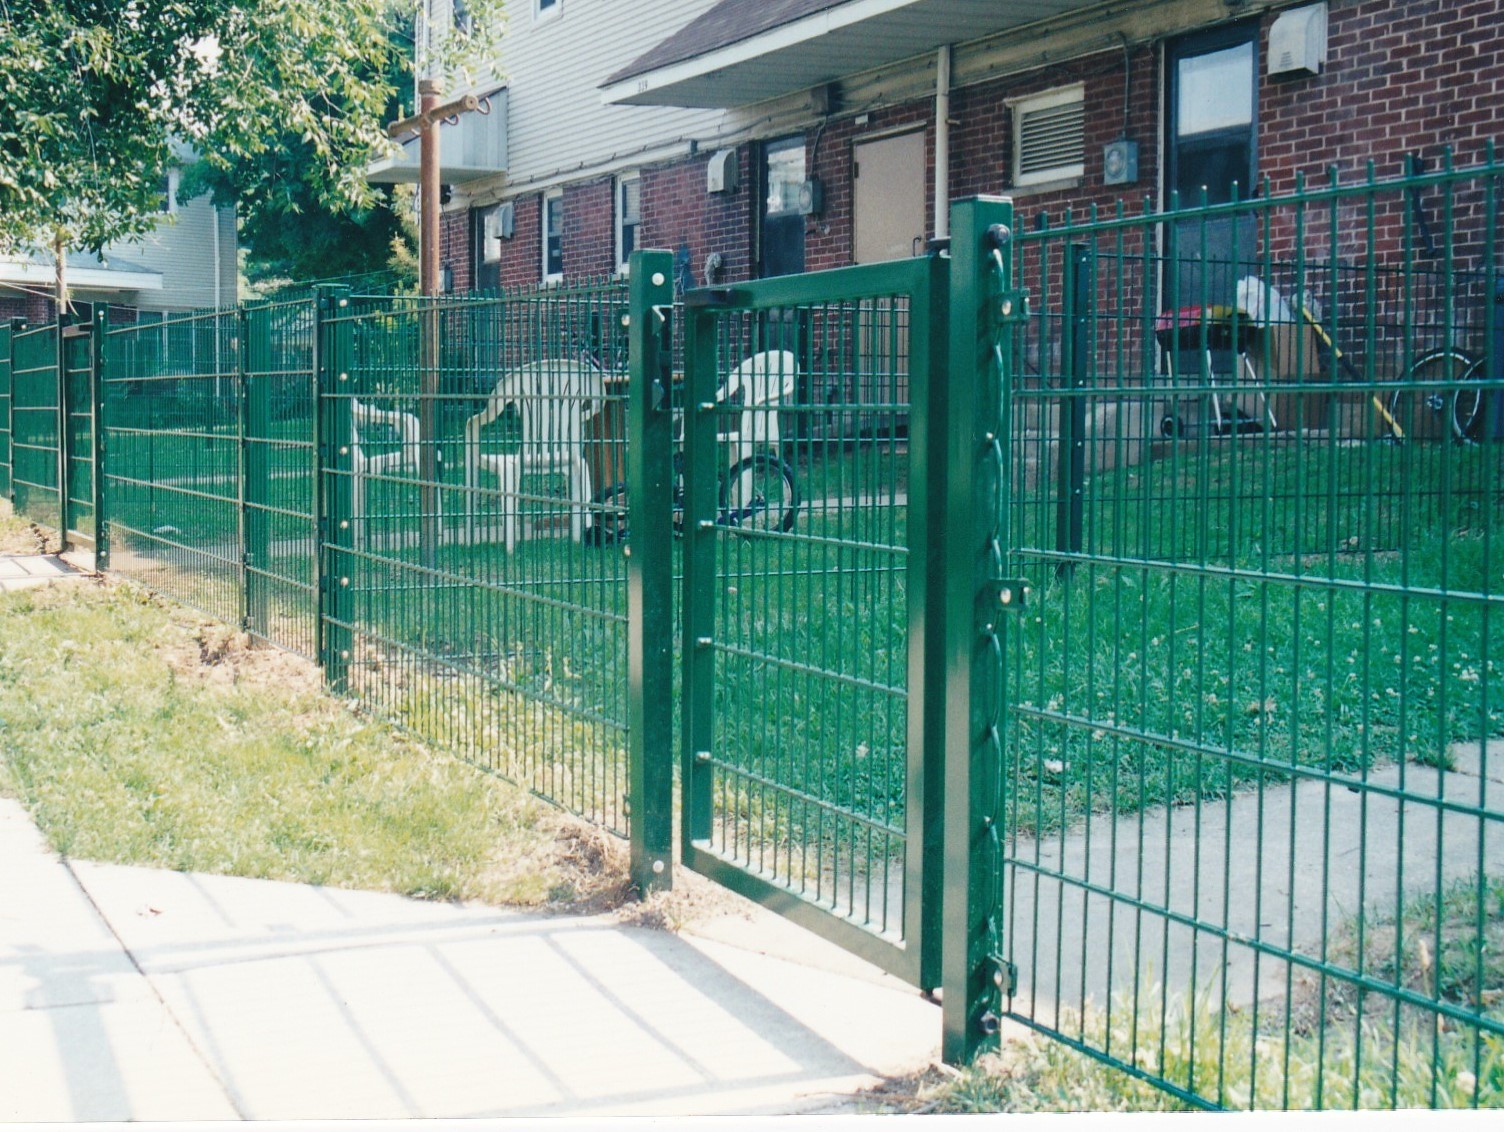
{"x": 1003, "y": 975}
{"x": 1009, "y": 595}
{"x": 1012, "y": 306}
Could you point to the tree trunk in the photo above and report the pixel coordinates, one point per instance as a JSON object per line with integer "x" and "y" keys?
{"x": 60, "y": 264}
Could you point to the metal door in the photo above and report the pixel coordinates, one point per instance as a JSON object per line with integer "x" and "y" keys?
{"x": 803, "y": 783}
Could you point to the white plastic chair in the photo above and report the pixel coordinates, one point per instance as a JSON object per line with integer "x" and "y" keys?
{"x": 364, "y": 421}
{"x": 760, "y": 384}
{"x": 555, "y": 397}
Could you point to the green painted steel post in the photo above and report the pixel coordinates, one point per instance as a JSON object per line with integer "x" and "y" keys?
{"x": 64, "y": 440}
{"x": 974, "y": 973}
{"x": 697, "y": 601}
{"x": 929, "y": 539}
{"x": 97, "y": 374}
{"x": 6, "y": 488}
{"x": 336, "y": 581}
{"x": 650, "y": 571}
{"x": 255, "y": 422}
{"x": 1075, "y": 366}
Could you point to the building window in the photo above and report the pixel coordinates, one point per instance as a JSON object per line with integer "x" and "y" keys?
{"x": 628, "y": 218}
{"x": 167, "y": 194}
{"x": 547, "y": 9}
{"x": 553, "y": 235}
{"x": 1049, "y": 136}
{"x": 1213, "y": 114}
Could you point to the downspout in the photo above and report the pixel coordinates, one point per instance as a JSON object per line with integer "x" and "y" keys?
{"x": 942, "y": 143}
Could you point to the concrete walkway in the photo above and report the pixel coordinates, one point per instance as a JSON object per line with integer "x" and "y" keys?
{"x": 142, "y": 994}
{"x": 23, "y": 571}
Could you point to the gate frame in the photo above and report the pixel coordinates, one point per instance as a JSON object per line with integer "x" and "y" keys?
{"x": 925, "y": 281}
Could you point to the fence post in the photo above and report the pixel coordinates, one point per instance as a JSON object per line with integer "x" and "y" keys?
{"x": 7, "y": 460}
{"x": 1070, "y": 452}
{"x": 973, "y": 498}
{"x": 16, "y": 326}
{"x": 331, "y": 408}
{"x": 64, "y": 440}
{"x": 255, "y": 419}
{"x": 650, "y": 615}
{"x": 97, "y": 375}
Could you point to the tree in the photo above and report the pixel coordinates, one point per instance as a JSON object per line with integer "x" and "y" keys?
{"x": 95, "y": 94}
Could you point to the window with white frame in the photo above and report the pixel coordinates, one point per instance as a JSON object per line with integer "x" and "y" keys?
{"x": 628, "y": 217}
{"x": 1049, "y": 136}
{"x": 547, "y": 9}
{"x": 167, "y": 189}
{"x": 553, "y": 235}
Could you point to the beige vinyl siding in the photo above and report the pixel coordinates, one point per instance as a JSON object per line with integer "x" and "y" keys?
{"x": 554, "y": 67}
{"x": 183, "y": 249}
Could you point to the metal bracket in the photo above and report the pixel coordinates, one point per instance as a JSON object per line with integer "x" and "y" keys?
{"x": 1001, "y": 974}
{"x": 1009, "y": 595}
{"x": 715, "y": 297}
{"x": 1013, "y": 306}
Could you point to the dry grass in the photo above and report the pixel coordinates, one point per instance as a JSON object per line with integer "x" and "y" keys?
{"x": 137, "y": 732}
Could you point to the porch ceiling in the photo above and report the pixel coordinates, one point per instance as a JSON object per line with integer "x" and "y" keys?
{"x": 738, "y": 53}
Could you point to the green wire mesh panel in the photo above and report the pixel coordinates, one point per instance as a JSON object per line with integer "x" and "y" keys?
{"x": 172, "y": 395}
{"x": 78, "y": 374}
{"x": 34, "y": 425}
{"x": 1254, "y": 844}
{"x": 469, "y": 445}
{"x": 279, "y": 465}
{"x": 798, "y": 603}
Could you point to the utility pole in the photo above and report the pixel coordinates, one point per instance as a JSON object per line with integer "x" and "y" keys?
{"x": 426, "y": 125}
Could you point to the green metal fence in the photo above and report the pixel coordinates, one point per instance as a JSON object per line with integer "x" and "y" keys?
{"x": 1251, "y": 714}
{"x": 1128, "y": 663}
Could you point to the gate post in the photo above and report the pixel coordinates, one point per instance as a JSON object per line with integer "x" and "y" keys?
{"x": 332, "y": 424}
{"x": 650, "y": 616}
{"x": 64, "y": 440}
{"x": 7, "y": 491}
{"x": 972, "y": 500}
{"x": 97, "y": 373}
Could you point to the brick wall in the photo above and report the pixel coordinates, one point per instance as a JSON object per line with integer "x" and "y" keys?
{"x": 589, "y": 229}
{"x": 678, "y": 214}
{"x": 1401, "y": 76}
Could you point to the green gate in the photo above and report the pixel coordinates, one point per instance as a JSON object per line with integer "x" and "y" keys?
{"x": 803, "y": 782}
{"x": 5, "y": 425}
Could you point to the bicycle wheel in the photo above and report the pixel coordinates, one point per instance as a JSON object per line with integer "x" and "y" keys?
{"x": 1468, "y": 404}
{"x": 610, "y": 511}
{"x": 1432, "y": 413}
{"x": 759, "y": 494}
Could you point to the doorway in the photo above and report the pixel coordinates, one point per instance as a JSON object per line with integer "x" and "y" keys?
{"x": 887, "y": 189}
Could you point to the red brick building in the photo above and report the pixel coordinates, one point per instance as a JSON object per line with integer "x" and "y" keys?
{"x": 755, "y": 139}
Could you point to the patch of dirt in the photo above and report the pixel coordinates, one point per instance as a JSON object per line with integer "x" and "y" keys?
{"x": 200, "y": 649}
{"x": 19, "y": 537}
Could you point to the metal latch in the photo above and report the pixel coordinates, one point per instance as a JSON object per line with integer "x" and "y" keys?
{"x": 1001, "y": 974}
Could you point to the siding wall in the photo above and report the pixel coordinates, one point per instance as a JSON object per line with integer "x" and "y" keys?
{"x": 184, "y": 252}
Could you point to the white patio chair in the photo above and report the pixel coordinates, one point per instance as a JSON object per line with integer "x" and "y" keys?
{"x": 554, "y": 397}
{"x": 760, "y": 384}
{"x": 365, "y": 423}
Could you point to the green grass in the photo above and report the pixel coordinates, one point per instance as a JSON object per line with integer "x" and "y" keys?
{"x": 136, "y": 733}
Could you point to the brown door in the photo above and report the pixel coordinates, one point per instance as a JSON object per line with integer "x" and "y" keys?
{"x": 887, "y": 223}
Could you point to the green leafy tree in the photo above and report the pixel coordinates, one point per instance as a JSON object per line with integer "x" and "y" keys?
{"x": 96, "y": 94}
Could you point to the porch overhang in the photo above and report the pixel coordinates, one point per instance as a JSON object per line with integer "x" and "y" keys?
{"x": 89, "y": 273}
{"x": 723, "y": 60}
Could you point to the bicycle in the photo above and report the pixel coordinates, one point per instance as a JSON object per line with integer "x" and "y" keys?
{"x": 758, "y": 493}
{"x": 1438, "y": 398}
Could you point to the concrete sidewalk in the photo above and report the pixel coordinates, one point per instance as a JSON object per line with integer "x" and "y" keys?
{"x": 141, "y": 994}
{"x": 23, "y": 571}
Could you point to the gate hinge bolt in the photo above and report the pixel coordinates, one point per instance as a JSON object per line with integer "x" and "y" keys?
{"x": 989, "y": 1023}
{"x": 703, "y": 642}
{"x": 702, "y": 756}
